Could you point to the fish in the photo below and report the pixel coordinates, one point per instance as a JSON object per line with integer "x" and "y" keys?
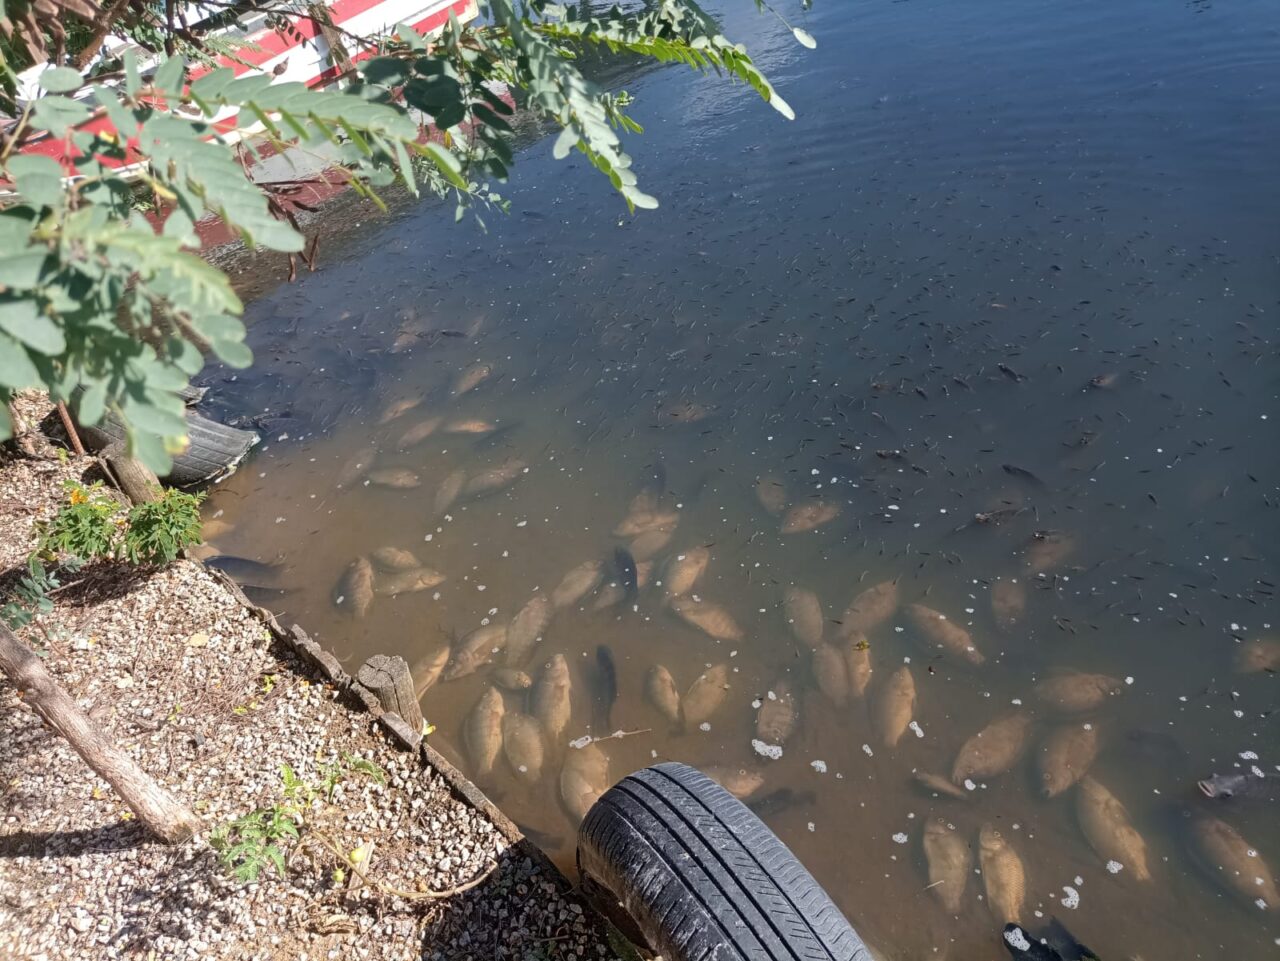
{"x": 390, "y": 560}
{"x": 526, "y": 628}
{"x": 856, "y": 650}
{"x": 1108, "y": 829}
{"x": 803, "y": 612}
{"x": 577, "y": 584}
{"x": 771, "y": 492}
{"x": 428, "y": 668}
{"x": 475, "y": 650}
{"x": 939, "y": 785}
{"x": 1022, "y": 945}
{"x": 870, "y": 609}
{"x": 650, "y": 543}
{"x": 1008, "y": 603}
{"x": 448, "y": 491}
{"x": 397, "y": 478}
{"x": 1003, "y": 875}
{"x": 775, "y": 802}
{"x": 705, "y": 695}
{"x": 831, "y": 674}
{"x": 949, "y": 860}
{"x": 778, "y": 714}
{"x": 398, "y": 408}
{"x": 583, "y": 779}
{"x": 1233, "y": 862}
{"x": 407, "y": 582}
{"x": 642, "y": 522}
{"x": 482, "y": 732}
{"x": 660, "y": 691}
{"x": 708, "y": 617}
{"x": 1253, "y": 657}
{"x": 941, "y": 632}
{"x": 1023, "y": 474}
{"x": 354, "y": 590}
{"x": 644, "y": 573}
{"x": 471, "y": 378}
{"x": 469, "y": 425}
{"x": 684, "y": 412}
{"x": 510, "y": 678}
{"x": 808, "y": 516}
{"x": 993, "y": 750}
{"x": 1047, "y": 550}
{"x": 741, "y": 782}
{"x": 609, "y": 595}
{"x": 606, "y": 678}
{"x": 418, "y": 432}
{"x": 1235, "y": 785}
{"x": 625, "y": 565}
{"x": 551, "y": 704}
{"x": 355, "y": 467}
{"x": 522, "y": 743}
{"x": 896, "y": 704}
{"x": 1077, "y": 693}
{"x": 494, "y": 479}
{"x": 683, "y": 571}
{"x": 1065, "y": 756}
{"x": 244, "y": 570}
{"x": 215, "y": 527}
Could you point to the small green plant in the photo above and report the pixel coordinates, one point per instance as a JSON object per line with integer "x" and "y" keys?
{"x": 30, "y": 596}
{"x": 92, "y": 525}
{"x": 334, "y": 773}
{"x": 248, "y": 844}
{"x": 155, "y": 532}
{"x": 87, "y": 526}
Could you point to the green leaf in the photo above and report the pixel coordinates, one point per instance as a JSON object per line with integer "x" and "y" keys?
{"x": 16, "y": 369}
{"x": 805, "y": 38}
{"x": 38, "y": 179}
{"x": 91, "y": 404}
{"x": 58, "y": 114}
{"x": 168, "y": 78}
{"x": 211, "y": 86}
{"x": 23, "y": 270}
{"x": 444, "y": 160}
{"x": 15, "y": 227}
{"x": 233, "y": 353}
{"x": 21, "y": 319}
{"x": 61, "y": 80}
{"x": 150, "y": 449}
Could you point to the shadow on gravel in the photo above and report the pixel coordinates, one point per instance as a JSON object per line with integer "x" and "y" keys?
{"x": 100, "y": 840}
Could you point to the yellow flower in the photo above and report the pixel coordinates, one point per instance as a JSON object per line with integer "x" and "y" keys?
{"x": 78, "y": 496}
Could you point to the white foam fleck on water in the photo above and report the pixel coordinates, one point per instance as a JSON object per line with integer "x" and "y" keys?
{"x": 919, "y": 731}
{"x": 900, "y": 838}
{"x": 704, "y": 726}
{"x": 819, "y": 766}
{"x": 1017, "y": 940}
{"x": 969, "y": 785}
{"x": 812, "y": 827}
{"x": 1248, "y": 755}
{"x": 1070, "y": 900}
{"x": 578, "y": 743}
{"x": 867, "y": 750}
{"x": 1114, "y": 867}
{"x": 771, "y": 751}
{"x": 755, "y": 705}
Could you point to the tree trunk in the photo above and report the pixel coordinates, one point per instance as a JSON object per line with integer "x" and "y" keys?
{"x": 153, "y": 805}
{"x": 135, "y": 479}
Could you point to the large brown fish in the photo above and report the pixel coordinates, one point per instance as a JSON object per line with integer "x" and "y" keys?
{"x": 870, "y": 608}
{"x": 831, "y": 674}
{"x": 428, "y": 668}
{"x": 708, "y": 617}
{"x": 482, "y": 732}
{"x": 354, "y": 590}
{"x": 993, "y": 750}
{"x": 551, "y": 705}
{"x": 1233, "y": 862}
{"x": 808, "y": 516}
{"x": 741, "y": 782}
{"x": 494, "y": 479}
{"x": 1003, "y": 876}
{"x": 577, "y": 584}
{"x": 469, "y": 425}
{"x": 583, "y": 779}
{"x": 1066, "y": 756}
{"x": 857, "y": 662}
{"x": 398, "y": 408}
{"x": 511, "y": 679}
{"x": 407, "y": 582}
{"x": 771, "y": 492}
{"x": 705, "y": 695}
{"x": 522, "y": 743}
{"x": 660, "y": 690}
{"x": 641, "y": 522}
{"x": 949, "y": 859}
{"x": 1008, "y": 603}
{"x": 391, "y": 560}
{"x": 1262, "y": 654}
{"x": 527, "y": 627}
{"x": 684, "y": 569}
{"x": 1110, "y": 833}
{"x": 355, "y": 467}
{"x": 399, "y": 478}
{"x": 478, "y": 648}
{"x": 650, "y": 543}
{"x": 938, "y": 785}
{"x": 896, "y": 704}
{"x": 776, "y": 720}
{"x": 943, "y": 634}
{"x": 448, "y": 491}
{"x": 419, "y": 432}
{"x": 1074, "y": 693}
{"x": 1047, "y": 550}
{"x": 803, "y": 612}
{"x": 471, "y": 378}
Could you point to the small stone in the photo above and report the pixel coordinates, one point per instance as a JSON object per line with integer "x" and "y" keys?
{"x": 80, "y": 923}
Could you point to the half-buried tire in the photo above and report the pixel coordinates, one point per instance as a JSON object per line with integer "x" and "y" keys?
{"x": 702, "y": 877}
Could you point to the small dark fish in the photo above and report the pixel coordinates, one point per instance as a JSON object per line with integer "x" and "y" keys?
{"x": 1232, "y": 785}
{"x": 626, "y": 566}
{"x": 1022, "y": 474}
{"x": 997, "y": 515}
{"x": 1012, "y": 374}
{"x": 1069, "y": 948}
{"x": 775, "y": 802}
{"x": 244, "y": 571}
{"x": 1024, "y": 946}
{"x": 606, "y": 675}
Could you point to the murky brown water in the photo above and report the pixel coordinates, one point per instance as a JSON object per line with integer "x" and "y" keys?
{"x": 882, "y": 305}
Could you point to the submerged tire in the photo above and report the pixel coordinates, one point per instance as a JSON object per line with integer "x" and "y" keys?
{"x": 214, "y": 449}
{"x": 703, "y": 878}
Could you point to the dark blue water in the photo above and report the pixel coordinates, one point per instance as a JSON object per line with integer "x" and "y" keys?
{"x": 1041, "y": 235}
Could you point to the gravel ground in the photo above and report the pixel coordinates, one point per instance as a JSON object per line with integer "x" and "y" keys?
{"x": 191, "y": 683}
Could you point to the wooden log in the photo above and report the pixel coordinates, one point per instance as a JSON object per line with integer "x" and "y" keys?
{"x": 135, "y": 479}
{"x": 389, "y": 679}
{"x": 153, "y": 805}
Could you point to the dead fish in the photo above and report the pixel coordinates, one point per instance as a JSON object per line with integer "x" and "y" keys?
{"x": 778, "y": 714}
{"x": 419, "y": 432}
{"x": 391, "y": 560}
{"x": 896, "y": 705}
{"x": 939, "y": 785}
{"x": 650, "y": 543}
{"x": 1008, "y": 603}
{"x": 527, "y": 627}
{"x": 941, "y": 632}
{"x": 1023, "y": 475}
{"x": 215, "y": 528}
{"x": 1107, "y": 827}
{"x": 644, "y": 573}
{"x": 771, "y": 492}
{"x": 471, "y": 378}
{"x": 660, "y": 691}
{"x": 551, "y": 705}
{"x": 1233, "y": 862}
{"x": 831, "y": 674}
{"x": 397, "y": 478}
{"x": 803, "y": 612}
{"x": 469, "y": 425}
{"x": 684, "y": 569}
{"x": 741, "y": 782}
{"x": 475, "y": 650}
{"x": 482, "y": 732}
{"x": 857, "y": 662}
{"x": 354, "y": 590}
{"x": 1234, "y": 785}
{"x": 993, "y": 750}
{"x": 1258, "y": 655}
{"x": 583, "y": 779}
{"x": 775, "y": 802}
{"x": 642, "y": 522}
{"x": 398, "y": 408}
{"x": 448, "y": 491}
{"x": 511, "y": 679}
{"x": 522, "y": 743}
{"x": 606, "y": 684}
{"x": 708, "y": 617}
{"x": 808, "y": 516}
{"x": 1066, "y": 756}
{"x": 1077, "y": 693}
{"x": 949, "y": 860}
{"x": 1022, "y": 945}
{"x": 428, "y": 668}
{"x": 1003, "y": 875}
{"x": 610, "y": 595}
{"x": 407, "y": 582}
{"x": 495, "y": 479}
{"x": 577, "y": 584}
{"x": 870, "y": 608}
{"x": 1047, "y": 550}
{"x": 355, "y": 467}
{"x": 625, "y": 566}
{"x": 246, "y": 571}
{"x": 705, "y": 695}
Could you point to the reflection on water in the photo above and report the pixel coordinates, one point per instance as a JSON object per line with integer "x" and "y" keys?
{"x": 989, "y": 327}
